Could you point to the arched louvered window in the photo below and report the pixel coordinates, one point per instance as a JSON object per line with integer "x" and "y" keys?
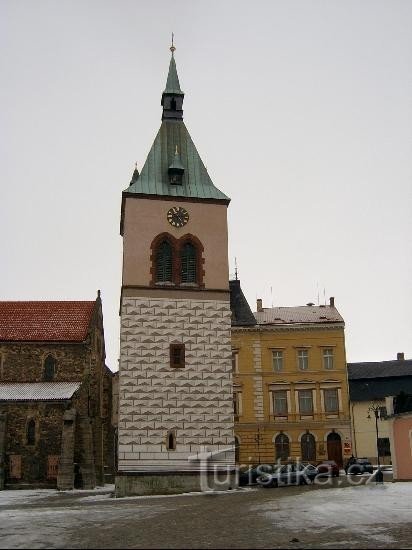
{"x": 164, "y": 263}
{"x": 49, "y": 368}
{"x": 31, "y": 432}
{"x": 189, "y": 260}
{"x": 282, "y": 447}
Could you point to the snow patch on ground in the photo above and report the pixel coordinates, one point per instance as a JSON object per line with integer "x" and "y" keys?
{"x": 361, "y": 510}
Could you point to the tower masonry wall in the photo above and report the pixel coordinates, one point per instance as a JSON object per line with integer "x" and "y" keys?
{"x": 195, "y": 401}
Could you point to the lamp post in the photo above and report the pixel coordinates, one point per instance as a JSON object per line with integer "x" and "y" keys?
{"x": 376, "y": 410}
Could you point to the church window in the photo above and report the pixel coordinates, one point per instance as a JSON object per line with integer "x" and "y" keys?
{"x": 31, "y": 432}
{"x": 49, "y": 368}
{"x": 177, "y": 356}
{"x": 188, "y": 262}
{"x": 173, "y": 104}
{"x": 164, "y": 263}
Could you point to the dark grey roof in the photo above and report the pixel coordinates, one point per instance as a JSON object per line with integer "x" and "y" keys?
{"x": 380, "y": 369}
{"x": 241, "y": 313}
{"x": 298, "y": 315}
{"x": 367, "y": 389}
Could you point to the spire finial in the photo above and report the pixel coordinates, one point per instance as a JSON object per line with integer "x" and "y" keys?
{"x": 172, "y": 47}
{"x": 236, "y": 269}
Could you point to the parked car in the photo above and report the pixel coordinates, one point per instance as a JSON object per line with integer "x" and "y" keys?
{"x": 289, "y": 474}
{"x": 250, "y": 475}
{"x": 328, "y": 468}
{"x": 358, "y": 466}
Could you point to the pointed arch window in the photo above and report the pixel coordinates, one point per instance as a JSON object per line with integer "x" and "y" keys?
{"x": 31, "y": 432}
{"x": 188, "y": 263}
{"x": 164, "y": 263}
{"x": 49, "y": 368}
{"x": 171, "y": 440}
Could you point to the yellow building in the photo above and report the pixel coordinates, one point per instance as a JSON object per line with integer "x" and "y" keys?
{"x": 369, "y": 384}
{"x": 290, "y": 382}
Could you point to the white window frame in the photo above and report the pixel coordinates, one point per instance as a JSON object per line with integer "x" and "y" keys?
{"x": 325, "y": 400}
{"x": 328, "y": 358}
{"x": 278, "y": 392}
{"x": 277, "y": 359}
{"x": 305, "y": 413}
{"x": 303, "y": 354}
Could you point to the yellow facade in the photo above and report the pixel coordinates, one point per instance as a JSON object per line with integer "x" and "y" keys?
{"x": 291, "y": 381}
{"x": 364, "y": 430}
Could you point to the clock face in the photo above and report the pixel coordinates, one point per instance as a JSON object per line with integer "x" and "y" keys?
{"x": 177, "y": 216}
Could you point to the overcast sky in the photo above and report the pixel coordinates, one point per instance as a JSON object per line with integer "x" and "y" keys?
{"x": 301, "y": 111}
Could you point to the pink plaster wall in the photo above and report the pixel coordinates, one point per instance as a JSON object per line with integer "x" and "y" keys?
{"x": 402, "y": 438}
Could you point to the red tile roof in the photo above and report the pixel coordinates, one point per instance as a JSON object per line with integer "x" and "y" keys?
{"x": 45, "y": 321}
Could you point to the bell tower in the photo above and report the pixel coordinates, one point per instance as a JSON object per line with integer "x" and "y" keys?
{"x": 175, "y": 379}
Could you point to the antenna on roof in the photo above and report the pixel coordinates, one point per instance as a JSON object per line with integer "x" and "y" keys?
{"x": 317, "y": 288}
{"x": 271, "y": 296}
{"x": 236, "y": 269}
{"x": 324, "y": 295}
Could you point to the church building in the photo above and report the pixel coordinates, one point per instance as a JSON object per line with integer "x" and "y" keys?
{"x": 175, "y": 429}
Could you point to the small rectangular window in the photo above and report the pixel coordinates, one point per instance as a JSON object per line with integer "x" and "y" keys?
{"x": 235, "y": 361}
{"x": 328, "y": 358}
{"x": 280, "y": 403}
{"x": 331, "y": 400}
{"x": 237, "y": 404}
{"x": 277, "y": 360}
{"x": 305, "y": 401}
{"x": 303, "y": 359}
{"x": 177, "y": 356}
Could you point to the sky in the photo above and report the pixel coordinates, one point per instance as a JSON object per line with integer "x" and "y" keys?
{"x": 300, "y": 109}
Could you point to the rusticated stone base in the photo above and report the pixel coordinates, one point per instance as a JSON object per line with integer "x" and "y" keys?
{"x": 133, "y": 483}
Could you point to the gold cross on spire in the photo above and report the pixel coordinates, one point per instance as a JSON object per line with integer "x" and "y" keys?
{"x": 172, "y": 47}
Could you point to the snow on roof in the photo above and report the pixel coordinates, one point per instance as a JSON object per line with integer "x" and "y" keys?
{"x": 37, "y": 391}
{"x": 299, "y": 314}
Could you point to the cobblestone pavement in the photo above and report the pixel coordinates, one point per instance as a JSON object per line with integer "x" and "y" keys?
{"x": 286, "y": 517}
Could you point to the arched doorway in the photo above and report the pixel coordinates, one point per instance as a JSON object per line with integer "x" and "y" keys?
{"x": 334, "y": 444}
{"x": 308, "y": 447}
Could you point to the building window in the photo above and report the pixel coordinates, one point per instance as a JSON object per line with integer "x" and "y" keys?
{"x": 188, "y": 263}
{"x": 49, "y": 368}
{"x": 384, "y": 447}
{"x": 303, "y": 359}
{"x": 280, "y": 403}
{"x": 177, "y": 356}
{"x": 328, "y": 358}
{"x": 235, "y": 361}
{"x": 331, "y": 401}
{"x": 31, "y": 432}
{"x": 282, "y": 447}
{"x": 237, "y": 404}
{"x": 308, "y": 447}
{"x": 171, "y": 440}
{"x": 383, "y": 413}
{"x": 164, "y": 263}
{"x": 305, "y": 401}
{"x": 277, "y": 360}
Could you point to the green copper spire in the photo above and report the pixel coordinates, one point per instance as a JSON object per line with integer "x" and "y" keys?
{"x": 172, "y": 84}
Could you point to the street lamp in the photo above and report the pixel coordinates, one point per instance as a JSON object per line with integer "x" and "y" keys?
{"x": 376, "y": 410}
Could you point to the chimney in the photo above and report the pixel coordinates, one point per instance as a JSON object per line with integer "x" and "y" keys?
{"x": 400, "y": 356}
{"x": 259, "y": 304}
{"x": 332, "y": 301}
